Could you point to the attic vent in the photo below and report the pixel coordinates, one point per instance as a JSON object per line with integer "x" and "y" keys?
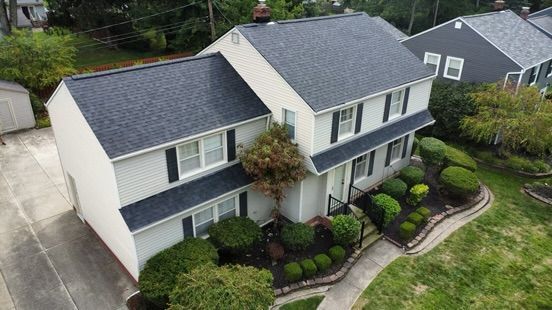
{"x": 235, "y": 38}
{"x": 458, "y": 25}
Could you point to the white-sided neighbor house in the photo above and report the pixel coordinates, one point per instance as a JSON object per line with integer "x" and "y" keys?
{"x": 149, "y": 152}
{"x": 30, "y": 13}
{"x": 15, "y": 107}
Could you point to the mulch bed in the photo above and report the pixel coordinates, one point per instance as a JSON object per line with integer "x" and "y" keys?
{"x": 258, "y": 257}
{"x": 543, "y": 191}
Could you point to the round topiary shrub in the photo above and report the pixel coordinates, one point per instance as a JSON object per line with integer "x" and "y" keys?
{"x": 459, "y": 182}
{"x": 395, "y": 188}
{"x": 345, "y": 229}
{"x": 158, "y": 277}
{"x": 406, "y": 231}
{"x": 235, "y": 234}
{"x": 412, "y": 175}
{"x": 390, "y": 206}
{"x": 417, "y": 193}
{"x": 425, "y": 212}
{"x": 432, "y": 151}
{"x": 309, "y": 268}
{"x": 415, "y": 218}
{"x": 297, "y": 236}
{"x": 293, "y": 272}
{"x": 454, "y": 157}
{"x": 323, "y": 262}
{"x": 337, "y": 254}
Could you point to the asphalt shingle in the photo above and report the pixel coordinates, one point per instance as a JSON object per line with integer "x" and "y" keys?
{"x": 396, "y": 33}
{"x": 544, "y": 22}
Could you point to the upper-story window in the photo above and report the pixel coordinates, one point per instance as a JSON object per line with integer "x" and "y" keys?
{"x": 290, "y": 123}
{"x": 396, "y": 103}
{"x": 200, "y": 154}
{"x": 396, "y": 150}
{"x": 549, "y": 69}
{"x": 453, "y": 68}
{"x": 346, "y": 122}
{"x": 432, "y": 61}
{"x": 361, "y": 167}
{"x": 533, "y": 75}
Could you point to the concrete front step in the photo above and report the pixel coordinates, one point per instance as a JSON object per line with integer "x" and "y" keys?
{"x": 370, "y": 238}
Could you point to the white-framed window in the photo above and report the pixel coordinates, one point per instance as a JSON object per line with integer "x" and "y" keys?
{"x": 207, "y": 217}
{"x": 549, "y": 69}
{"x": 453, "y": 68}
{"x": 396, "y": 150}
{"x": 432, "y": 61}
{"x": 458, "y": 25}
{"x": 289, "y": 120}
{"x": 201, "y": 154}
{"x": 361, "y": 167}
{"x": 235, "y": 38}
{"x": 534, "y": 75}
{"x": 346, "y": 122}
{"x": 396, "y": 103}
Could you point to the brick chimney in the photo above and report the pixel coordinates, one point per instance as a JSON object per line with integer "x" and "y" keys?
{"x": 524, "y": 12}
{"x": 498, "y": 5}
{"x": 261, "y": 12}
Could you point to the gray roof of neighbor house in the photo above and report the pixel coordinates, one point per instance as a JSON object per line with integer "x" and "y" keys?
{"x": 12, "y": 86}
{"x": 332, "y": 60}
{"x": 396, "y": 33}
{"x": 543, "y": 22}
{"x": 33, "y": 2}
{"x": 543, "y": 12}
{"x": 514, "y": 36}
{"x": 145, "y": 106}
{"x": 184, "y": 197}
{"x": 369, "y": 141}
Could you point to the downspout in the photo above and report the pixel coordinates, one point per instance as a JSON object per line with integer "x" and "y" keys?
{"x": 522, "y": 72}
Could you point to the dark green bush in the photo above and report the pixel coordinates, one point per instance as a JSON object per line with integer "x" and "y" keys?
{"x": 159, "y": 275}
{"x": 415, "y": 218}
{"x": 345, "y": 229}
{"x": 425, "y": 212}
{"x": 432, "y": 151}
{"x": 297, "y": 236}
{"x": 293, "y": 272}
{"x": 309, "y": 268}
{"x": 407, "y": 230}
{"x": 523, "y": 164}
{"x": 454, "y": 157}
{"x": 337, "y": 253}
{"x": 541, "y": 166}
{"x": 459, "y": 182}
{"x": 411, "y": 175}
{"x": 391, "y": 207}
{"x": 395, "y": 188}
{"x": 235, "y": 233}
{"x": 323, "y": 262}
{"x": 415, "y": 145}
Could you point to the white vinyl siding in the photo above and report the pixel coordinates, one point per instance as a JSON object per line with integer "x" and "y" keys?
{"x": 432, "y": 61}
{"x": 453, "y": 68}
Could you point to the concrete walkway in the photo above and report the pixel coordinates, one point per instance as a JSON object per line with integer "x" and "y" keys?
{"x": 48, "y": 258}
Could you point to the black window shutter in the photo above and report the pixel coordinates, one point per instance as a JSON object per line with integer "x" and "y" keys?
{"x": 172, "y": 164}
{"x": 353, "y": 171}
{"x": 335, "y": 126}
{"x": 371, "y": 165}
{"x": 387, "y": 108}
{"x": 405, "y": 100}
{"x": 358, "y": 123}
{"x": 243, "y": 204}
{"x": 388, "y": 156}
{"x": 188, "y": 226}
{"x": 231, "y": 144}
{"x": 405, "y": 145}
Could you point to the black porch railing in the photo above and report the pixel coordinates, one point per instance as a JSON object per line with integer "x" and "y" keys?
{"x": 363, "y": 200}
{"x": 336, "y": 207}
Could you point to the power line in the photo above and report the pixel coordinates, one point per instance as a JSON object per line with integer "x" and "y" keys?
{"x": 220, "y": 11}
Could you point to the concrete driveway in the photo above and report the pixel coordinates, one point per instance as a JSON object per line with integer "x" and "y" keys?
{"x": 48, "y": 258}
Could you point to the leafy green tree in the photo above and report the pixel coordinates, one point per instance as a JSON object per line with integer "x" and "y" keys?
{"x": 36, "y": 61}
{"x": 522, "y": 118}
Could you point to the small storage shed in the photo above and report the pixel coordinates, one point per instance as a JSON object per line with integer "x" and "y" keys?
{"x": 15, "y": 107}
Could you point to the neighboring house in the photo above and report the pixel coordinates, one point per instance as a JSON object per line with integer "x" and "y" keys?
{"x": 392, "y": 30}
{"x": 542, "y": 20}
{"x": 31, "y": 13}
{"x": 149, "y": 152}
{"x": 15, "y": 107}
{"x": 486, "y": 48}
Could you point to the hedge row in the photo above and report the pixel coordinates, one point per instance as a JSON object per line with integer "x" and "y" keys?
{"x": 308, "y": 268}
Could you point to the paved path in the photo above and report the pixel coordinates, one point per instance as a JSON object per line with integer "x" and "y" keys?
{"x": 49, "y": 259}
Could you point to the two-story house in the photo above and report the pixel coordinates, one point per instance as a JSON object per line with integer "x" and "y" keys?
{"x": 486, "y": 48}
{"x": 149, "y": 152}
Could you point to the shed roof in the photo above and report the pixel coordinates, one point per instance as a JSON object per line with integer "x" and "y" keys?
{"x": 12, "y": 86}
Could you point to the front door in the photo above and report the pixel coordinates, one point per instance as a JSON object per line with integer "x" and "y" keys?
{"x": 7, "y": 119}
{"x": 339, "y": 183}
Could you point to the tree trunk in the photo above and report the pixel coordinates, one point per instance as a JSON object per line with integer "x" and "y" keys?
{"x": 477, "y": 4}
{"x": 435, "y": 13}
{"x": 412, "y": 15}
{"x": 13, "y": 12}
{"x": 4, "y": 23}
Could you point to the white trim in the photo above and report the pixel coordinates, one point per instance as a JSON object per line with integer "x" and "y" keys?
{"x": 55, "y": 93}
{"x": 549, "y": 67}
{"x": 537, "y": 72}
{"x": 431, "y": 29}
{"x": 447, "y": 63}
{"x": 438, "y": 61}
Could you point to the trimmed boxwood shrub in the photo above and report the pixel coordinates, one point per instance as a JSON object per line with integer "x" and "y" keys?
{"x": 415, "y": 218}
{"x": 454, "y": 157}
{"x": 293, "y": 272}
{"x": 345, "y": 229}
{"x": 235, "y": 233}
{"x": 297, "y": 236}
{"x": 425, "y": 212}
{"x": 337, "y": 254}
{"x": 415, "y": 145}
{"x": 159, "y": 275}
{"x": 524, "y": 164}
{"x": 323, "y": 262}
{"x": 406, "y": 231}
{"x": 459, "y": 181}
{"x": 412, "y": 175}
{"x": 309, "y": 268}
{"x": 391, "y": 207}
{"x": 395, "y": 188}
{"x": 432, "y": 151}
{"x": 417, "y": 193}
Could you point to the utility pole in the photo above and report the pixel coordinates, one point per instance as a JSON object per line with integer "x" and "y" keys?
{"x": 4, "y": 22}
{"x": 435, "y": 14}
{"x": 412, "y": 16}
{"x": 13, "y": 12}
{"x": 211, "y": 20}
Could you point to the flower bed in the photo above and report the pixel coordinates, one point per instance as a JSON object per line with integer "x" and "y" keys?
{"x": 540, "y": 190}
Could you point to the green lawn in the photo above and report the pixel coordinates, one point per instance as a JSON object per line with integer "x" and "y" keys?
{"x": 304, "y": 304}
{"x": 503, "y": 259}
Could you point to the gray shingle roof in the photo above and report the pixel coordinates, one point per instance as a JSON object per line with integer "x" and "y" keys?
{"x": 543, "y": 12}
{"x": 184, "y": 197}
{"x": 13, "y": 86}
{"x": 140, "y": 107}
{"x": 543, "y": 22}
{"x": 393, "y": 31}
{"x": 514, "y": 36}
{"x": 369, "y": 141}
{"x": 333, "y": 60}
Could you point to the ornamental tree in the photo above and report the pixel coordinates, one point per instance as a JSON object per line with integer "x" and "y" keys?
{"x": 275, "y": 164}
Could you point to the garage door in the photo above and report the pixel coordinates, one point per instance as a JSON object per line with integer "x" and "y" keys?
{"x": 7, "y": 121}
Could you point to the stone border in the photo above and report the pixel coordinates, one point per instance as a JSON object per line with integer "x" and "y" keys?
{"x": 539, "y": 175}
{"x": 320, "y": 281}
{"x": 537, "y": 196}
